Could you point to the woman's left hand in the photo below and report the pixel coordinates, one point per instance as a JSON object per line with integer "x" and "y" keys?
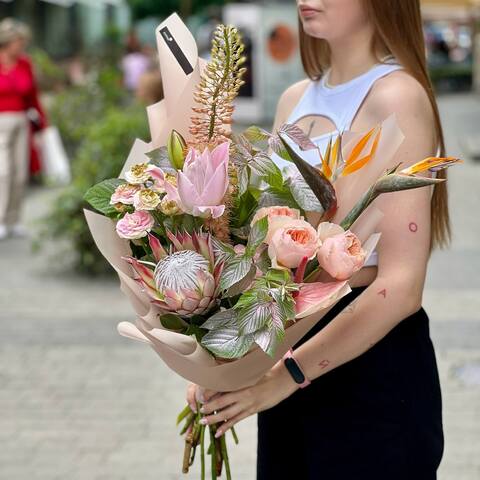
{"x": 230, "y": 408}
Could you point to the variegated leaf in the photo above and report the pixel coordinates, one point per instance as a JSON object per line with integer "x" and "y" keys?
{"x": 243, "y": 284}
{"x": 227, "y": 343}
{"x": 303, "y": 194}
{"x": 236, "y": 269}
{"x": 225, "y": 318}
{"x": 298, "y": 136}
{"x": 253, "y": 317}
{"x": 258, "y": 232}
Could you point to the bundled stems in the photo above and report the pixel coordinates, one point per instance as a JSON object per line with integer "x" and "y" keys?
{"x": 195, "y": 436}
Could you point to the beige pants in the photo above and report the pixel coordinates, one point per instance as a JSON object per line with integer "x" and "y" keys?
{"x": 13, "y": 165}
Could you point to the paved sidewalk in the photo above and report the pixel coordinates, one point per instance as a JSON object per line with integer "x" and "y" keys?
{"x": 77, "y": 401}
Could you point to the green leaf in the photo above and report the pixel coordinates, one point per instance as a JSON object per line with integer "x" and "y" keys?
{"x": 160, "y": 158}
{"x": 243, "y": 284}
{"x": 267, "y": 170}
{"x": 256, "y": 134}
{"x": 257, "y": 235}
{"x": 245, "y": 207}
{"x": 236, "y": 270}
{"x": 278, "y": 276}
{"x": 276, "y": 145}
{"x": 225, "y": 318}
{"x": 298, "y": 136}
{"x": 263, "y": 261}
{"x": 254, "y": 317}
{"x": 173, "y": 322}
{"x": 303, "y": 194}
{"x": 243, "y": 179}
{"x": 316, "y": 180}
{"x": 270, "y": 337}
{"x": 100, "y": 194}
{"x": 277, "y": 196}
{"x": 226, "y": 342}
{"x": 222, "y": 251}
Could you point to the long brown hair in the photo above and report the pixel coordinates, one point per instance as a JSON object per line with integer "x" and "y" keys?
{"x": 398, "y": 31}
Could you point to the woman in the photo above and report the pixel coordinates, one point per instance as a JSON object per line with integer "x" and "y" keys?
{"x": 373, "y": 408}
{"x": 18, "y": 96}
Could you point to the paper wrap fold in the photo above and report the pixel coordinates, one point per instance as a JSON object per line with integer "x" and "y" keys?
{"x": 181, "y": 353}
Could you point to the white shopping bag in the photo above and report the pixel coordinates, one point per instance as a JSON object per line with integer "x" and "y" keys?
{"x": 55, "y": 163}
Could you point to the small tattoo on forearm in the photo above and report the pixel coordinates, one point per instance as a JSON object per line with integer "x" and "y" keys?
{"x": 413, "y": 227}
{"x": 383, "y": 292}
{"x": 324, "y": 364}
{"x": 350, "y": 308}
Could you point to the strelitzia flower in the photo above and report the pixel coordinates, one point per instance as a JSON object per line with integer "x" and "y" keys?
{"x": 204, "y": 181}
{"x": 186, "y": 280}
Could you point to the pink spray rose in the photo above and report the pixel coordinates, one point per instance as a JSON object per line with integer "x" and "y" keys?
{"x": 203, "y": 182}
{"x": 292, "y": 242}
{"x": 340, "y": 253}
{"x": 277, "y": 217}
{"x": 124, "y": 193}
{"x": 135, "y": 225}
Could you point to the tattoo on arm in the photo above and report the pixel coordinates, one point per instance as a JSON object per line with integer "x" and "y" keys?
{"x": 413, "y": 227}
{"x": 383, "y": 292}
{"x": 350, "y": 308}
{"x": 324, "y": 364}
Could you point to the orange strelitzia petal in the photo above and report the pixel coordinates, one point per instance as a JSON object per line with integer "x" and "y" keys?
{"x": 429, "y": 163}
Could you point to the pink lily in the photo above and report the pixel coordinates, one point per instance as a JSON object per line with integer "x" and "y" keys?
{"x": 204, "y": 181}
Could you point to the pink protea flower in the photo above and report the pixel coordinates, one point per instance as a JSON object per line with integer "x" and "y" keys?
{"x": 204, "y": 181}
{"x": 186, "y": 280}
{"x": 135, "y": 225}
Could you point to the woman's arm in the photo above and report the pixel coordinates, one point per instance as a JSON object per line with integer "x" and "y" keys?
{"x": 403, "y": 249}
{"x": 392, "y": 296}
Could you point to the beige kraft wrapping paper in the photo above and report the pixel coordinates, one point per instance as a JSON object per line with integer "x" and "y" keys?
{"x": 181, "y": 353}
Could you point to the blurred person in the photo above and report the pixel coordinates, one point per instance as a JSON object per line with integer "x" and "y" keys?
{"x": 134, "y": 63}
{"x": 363, "y": 401}
{"x": 19, "y": 105}
{"x": 149, "y": 88}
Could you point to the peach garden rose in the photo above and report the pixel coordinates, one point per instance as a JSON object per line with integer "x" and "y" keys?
{"x": 292, "y": 242}
{"x": 277, "y": 216}
{"x": 340, "y": 253}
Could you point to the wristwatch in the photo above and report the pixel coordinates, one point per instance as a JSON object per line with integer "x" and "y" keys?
{"x": 294, "y": 369}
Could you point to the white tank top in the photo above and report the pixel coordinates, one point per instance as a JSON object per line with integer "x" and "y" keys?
{"x": 340, "y": 104}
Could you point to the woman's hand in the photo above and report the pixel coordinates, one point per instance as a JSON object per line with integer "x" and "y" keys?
{"x": 232, "y": 407}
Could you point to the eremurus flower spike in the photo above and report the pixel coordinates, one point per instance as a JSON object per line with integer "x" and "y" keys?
{"x": 430, "y": 163}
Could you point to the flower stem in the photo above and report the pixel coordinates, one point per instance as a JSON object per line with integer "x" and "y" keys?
{"x": 183, "y": 413}
{"x": 223, "y": 446}
{"x": 234, "y": 435}
{"x": 213, "y": 453}
{"x": 202, "y": 452}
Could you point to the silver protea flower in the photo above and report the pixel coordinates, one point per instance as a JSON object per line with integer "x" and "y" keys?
{"x": 184, "y": 281}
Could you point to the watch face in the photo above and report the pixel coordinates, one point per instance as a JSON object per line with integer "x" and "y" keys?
{"x": 294, "y": 370}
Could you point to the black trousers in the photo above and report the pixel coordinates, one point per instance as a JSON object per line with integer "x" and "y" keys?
{"x": 378, "y": 417}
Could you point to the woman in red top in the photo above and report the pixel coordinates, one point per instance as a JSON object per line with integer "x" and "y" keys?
{"x": 18, "y": 98}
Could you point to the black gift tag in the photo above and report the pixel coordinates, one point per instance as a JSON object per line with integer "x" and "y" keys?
{"x": 176, "y": 50}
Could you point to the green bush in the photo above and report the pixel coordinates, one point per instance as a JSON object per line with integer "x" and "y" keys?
{"x": 100, "y": 155}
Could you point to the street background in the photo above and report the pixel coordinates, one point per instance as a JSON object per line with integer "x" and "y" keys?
{"x": 78, "y": 401}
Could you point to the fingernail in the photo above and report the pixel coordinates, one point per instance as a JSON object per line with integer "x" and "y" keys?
{"x": 204, "y": 421}
{"x": 218, "y": 433}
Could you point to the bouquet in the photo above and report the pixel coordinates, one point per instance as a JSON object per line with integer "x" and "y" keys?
{"x": 227, "y": 260}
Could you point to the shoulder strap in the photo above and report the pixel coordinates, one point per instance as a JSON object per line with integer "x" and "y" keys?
{"x": 351, "y": 108}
